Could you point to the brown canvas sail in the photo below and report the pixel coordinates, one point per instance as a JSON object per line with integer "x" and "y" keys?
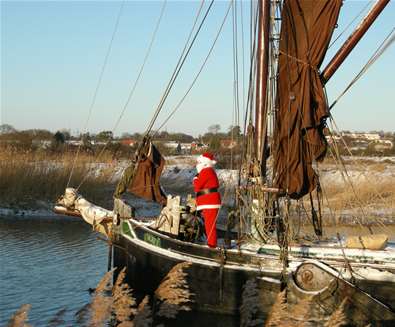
{"x": 143, "y": 180}
{"x": 307, "y": 27}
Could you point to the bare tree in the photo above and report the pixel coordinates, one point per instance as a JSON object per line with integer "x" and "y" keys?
{"x": 214, "y": 129}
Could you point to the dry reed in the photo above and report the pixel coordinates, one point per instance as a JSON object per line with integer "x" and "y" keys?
{"x": 377, "y": 194}
{"x": 20, "y": 317}
{"x": 299, "y": 314}
{"x": 338, "y": 317}
{"x": 29, "y": 177}
{"x": 278, "y": 315}
{"x": 123, "y": 301}
{"x": 301, "y": 311}
{"x": 173, "y": 293}
{"x": 101, "y": 303}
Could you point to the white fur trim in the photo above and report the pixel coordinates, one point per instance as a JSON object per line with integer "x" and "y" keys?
{"x": 208, "y": 206}
{"x": 201, "y": 166}
{"x": 204, "y": 160}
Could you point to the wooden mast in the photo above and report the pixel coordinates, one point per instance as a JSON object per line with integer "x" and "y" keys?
{"x": 353, "y": 40}
{"x": 261, "y": 79}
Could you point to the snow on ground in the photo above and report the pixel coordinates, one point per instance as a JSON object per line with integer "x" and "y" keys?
{"x": 179, "y": 172}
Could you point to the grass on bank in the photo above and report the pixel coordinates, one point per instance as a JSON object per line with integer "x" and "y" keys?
{"x": 27, "y": 177}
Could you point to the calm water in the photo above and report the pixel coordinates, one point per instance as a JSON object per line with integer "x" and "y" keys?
{"x": 48, "y": 263}
{"x": 51, "y": 263}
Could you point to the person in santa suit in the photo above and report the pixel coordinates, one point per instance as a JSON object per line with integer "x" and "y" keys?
{"x": 208, "y": 199}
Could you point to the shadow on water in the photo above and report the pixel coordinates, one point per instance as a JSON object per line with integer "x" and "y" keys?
{"x": 51, "y": 263}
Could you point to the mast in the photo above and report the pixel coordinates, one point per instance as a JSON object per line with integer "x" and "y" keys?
{"x": 261, "y": 79}
{"x": 353, "y": 40}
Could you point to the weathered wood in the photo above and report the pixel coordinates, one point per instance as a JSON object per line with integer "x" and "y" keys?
{"x": 67, "y": 212}
{"x": 217, "y": 276}
{"x": 122, "y": 209}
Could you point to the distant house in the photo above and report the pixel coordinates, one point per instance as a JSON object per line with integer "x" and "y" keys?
{"x": 382, "y": 145}
{"x": 365, "y": 136}
{"x": 228, "y": 143}
{"x": 332, "y": 138}
{"x": 74, "y": 142}
{"x": 372, "y": 136}
{"x": 128, "y": 142}
{"x": 197, "y": 147}
{"x": 171, "y": 144}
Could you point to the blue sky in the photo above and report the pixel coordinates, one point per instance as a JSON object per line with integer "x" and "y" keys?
{"x": 52, "y": 53}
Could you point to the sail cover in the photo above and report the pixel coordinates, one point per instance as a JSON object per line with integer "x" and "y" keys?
{"x": 307, "y": 27}
{"x": 142, "y": 177}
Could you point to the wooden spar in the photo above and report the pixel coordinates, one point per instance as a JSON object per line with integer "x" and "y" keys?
{"x": 353, "y": 40}
{"x": 261, "y": 76}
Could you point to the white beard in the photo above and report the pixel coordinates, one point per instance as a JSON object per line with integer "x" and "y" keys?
{"x": 201, "y": 166}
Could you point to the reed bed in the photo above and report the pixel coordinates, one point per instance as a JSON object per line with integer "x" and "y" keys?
{"x": 301, "y": 314}
{"x": 115, "y": 305}
{"x": 29, "y": 179}
{"x": 20, "y": 317}
{"x": 368, "y": 195}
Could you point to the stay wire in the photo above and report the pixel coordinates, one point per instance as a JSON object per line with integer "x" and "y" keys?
{"x": 99, "y": 82}
{"x": 143, "y": 65}
{"x": 251, "y": 84}
{"x": 242, "y": 51}
{"x": 196, "y": 76}
{"x": 380, "y": 50}
{"x": 134, "y": 85}
{"x": 176, "y": 72}
{"x": 236, "y": 63}
{"x": 348, "y": 26}
{"x": 186, "y": 44}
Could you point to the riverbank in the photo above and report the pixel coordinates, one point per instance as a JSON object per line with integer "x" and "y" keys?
{"x": 361, "y": 190}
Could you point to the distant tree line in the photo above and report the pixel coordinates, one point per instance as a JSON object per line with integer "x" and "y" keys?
{"x": 227, "y": 145}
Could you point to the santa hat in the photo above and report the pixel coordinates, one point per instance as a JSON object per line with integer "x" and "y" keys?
{"x": 206, "y": 158}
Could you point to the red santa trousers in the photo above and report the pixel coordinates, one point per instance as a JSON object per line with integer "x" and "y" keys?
{"x": 210, "y": 219}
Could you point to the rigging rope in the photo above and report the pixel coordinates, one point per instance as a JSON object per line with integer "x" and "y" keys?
{"x": 134, "y": 85}
{"x": 390, "y": 38}
{"x": 197, "y": 75}
{"x": 142, "y": 66}
{"x": 235, "y": 111}
{"x": 348, "y": 26}
{"x": 97, "y": 87}
{"x": 242, "y": 51}
{"x": 176, "y": 72}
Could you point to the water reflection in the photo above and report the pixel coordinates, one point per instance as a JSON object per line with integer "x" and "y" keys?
{"x": 52, "y": 262}
{"x": 49, "y": 263}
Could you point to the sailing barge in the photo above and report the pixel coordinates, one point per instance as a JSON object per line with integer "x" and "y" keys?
{"x": 287, "y": 94}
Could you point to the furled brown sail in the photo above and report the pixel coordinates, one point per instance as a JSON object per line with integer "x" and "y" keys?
{"x": 307, "y": 27}
{"x": 143, "y": 180}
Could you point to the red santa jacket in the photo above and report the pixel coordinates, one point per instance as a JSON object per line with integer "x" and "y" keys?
{"x": 207, "y": 179}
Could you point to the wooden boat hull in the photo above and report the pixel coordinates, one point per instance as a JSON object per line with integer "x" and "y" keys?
{"x": 217, "y": 287}
{"x": 216, "y": 278}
